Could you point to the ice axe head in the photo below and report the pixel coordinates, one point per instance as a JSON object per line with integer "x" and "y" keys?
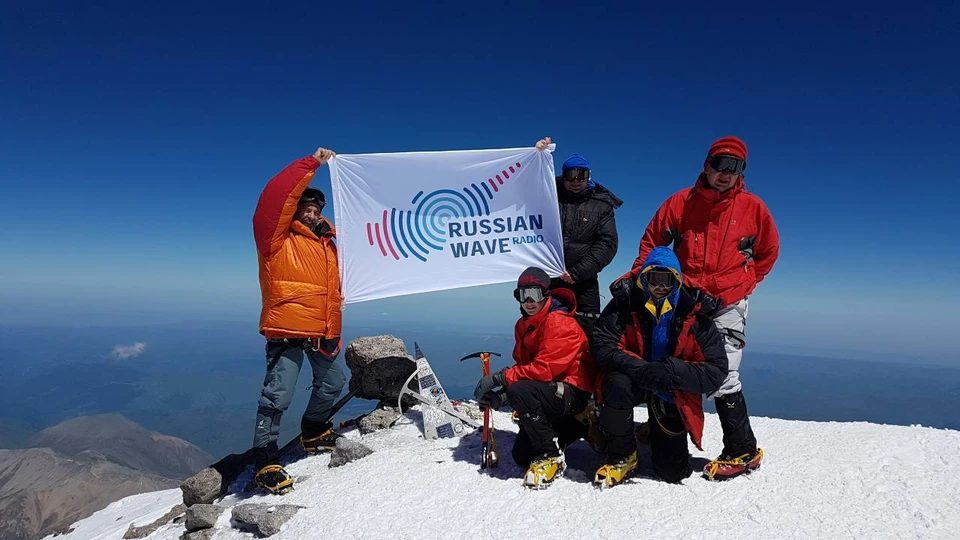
{"x": 482, "y": 355}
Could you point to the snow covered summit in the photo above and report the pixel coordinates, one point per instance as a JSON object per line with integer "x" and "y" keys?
{"x": 818, "y": 480}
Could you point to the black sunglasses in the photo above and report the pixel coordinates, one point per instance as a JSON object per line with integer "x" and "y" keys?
{"x": 727, "y": 164}
{"x": 576, "y": 175}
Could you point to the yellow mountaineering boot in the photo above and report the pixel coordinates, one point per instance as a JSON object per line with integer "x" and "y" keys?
{"x": 274, "y": 479}
{"x": 615, "y": 471}
{"x": 543, "y": 472}
{"x": 318, "y": 444}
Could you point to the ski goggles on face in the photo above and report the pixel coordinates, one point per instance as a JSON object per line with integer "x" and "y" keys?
{"x": 529, "y": 294}
{"x": 660, "y": 278}
{"x": 317, "y": 203}
{"x": 727, "y": 164}
{"x": 312, "y": 198}
{"x": 576, "y": 175}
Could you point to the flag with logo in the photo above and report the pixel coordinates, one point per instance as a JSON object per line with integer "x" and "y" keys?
{"x": 416, "y": 222}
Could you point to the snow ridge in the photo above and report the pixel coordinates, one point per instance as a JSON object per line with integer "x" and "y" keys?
{"x": 818, "y": 480}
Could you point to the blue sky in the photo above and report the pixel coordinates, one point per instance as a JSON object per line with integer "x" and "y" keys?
{"x": 135, "y": 141}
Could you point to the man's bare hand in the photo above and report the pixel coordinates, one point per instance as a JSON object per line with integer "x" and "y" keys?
{"x": 542, "y": 143}
{"x": 565, "y": 276}
{"x": 323, "y": 155}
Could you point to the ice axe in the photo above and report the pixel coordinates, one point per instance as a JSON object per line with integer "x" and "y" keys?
{"x": 489, "y": 457}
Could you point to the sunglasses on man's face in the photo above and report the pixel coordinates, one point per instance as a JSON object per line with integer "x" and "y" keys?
{"x": 660, "y": 279}
{"x": 727, "y": 164}
{"x": 312, "y": 200}
{"x": 576, "y": 175}
{"x": 529, "y": 294}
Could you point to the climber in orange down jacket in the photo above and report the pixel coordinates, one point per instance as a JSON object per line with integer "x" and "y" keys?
{"x": 300, "y": 286}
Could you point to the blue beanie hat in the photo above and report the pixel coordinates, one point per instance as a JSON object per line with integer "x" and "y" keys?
{"x": 576, "y": 161}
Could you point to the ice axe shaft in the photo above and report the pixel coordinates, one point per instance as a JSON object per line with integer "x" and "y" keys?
{"x": 489, "y": 457}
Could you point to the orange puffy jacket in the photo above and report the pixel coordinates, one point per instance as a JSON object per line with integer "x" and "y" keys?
{"x": 299, "y": 274}
{"x": 551, "y": 346}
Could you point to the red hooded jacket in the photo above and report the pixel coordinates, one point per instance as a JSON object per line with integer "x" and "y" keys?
{"x": 726, "y": 242}
{"x": 551, "y": 346}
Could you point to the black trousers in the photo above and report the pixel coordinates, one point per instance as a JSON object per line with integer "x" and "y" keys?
{"x": 547, "y": 422}
{"x": 668, "y": 436}
{"x": 738, "y": 437}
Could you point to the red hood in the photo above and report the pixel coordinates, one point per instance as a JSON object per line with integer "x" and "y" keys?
{"x": 566, "y": 297}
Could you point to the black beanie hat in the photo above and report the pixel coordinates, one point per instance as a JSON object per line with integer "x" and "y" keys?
{"x": 313, "y": 196}
{"x": 534, "y": 277}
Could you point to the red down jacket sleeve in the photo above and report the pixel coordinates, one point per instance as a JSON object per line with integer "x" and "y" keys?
{"x": 767, "y": 248}
{"x": 562, "y": 343}
{"x": 278, "y": 204}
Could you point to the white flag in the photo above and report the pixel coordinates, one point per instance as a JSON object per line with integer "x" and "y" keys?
{"x": 428, "y": 221}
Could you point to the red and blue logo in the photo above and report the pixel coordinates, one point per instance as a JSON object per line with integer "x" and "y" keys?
{"x": 442, "y": 214}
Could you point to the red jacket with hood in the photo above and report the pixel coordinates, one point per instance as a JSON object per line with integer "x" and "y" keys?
{"x": 551, "y": 346}
{"x": 726, "y": 242}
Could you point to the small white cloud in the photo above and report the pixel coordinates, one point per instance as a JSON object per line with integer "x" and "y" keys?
{"x": 122, "y": 352}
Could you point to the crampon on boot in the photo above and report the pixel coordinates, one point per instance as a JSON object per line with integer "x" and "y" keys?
{"x": 318, "y": 444}
{"x": 543, "y": 472}
{"x": 590, "y": 417}
{"x": 615, "y": 471}
{"x": 727, "y": 467}
{"x": 274, "y": 479}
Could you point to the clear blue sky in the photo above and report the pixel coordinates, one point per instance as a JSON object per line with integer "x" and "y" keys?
{"x": 135, "y": 139}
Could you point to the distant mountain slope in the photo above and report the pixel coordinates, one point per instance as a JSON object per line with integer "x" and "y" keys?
{"x": 126, "y": 443}
{"x": 81, "y": 466}
{"x": 43, "y": 491}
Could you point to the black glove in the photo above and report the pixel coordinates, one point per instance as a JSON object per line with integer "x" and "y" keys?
{"x": 329, "y": 347}
{"x": 493, "y": 400}
{"x": 489, "y": 382}
{"x": 651, "y": 376}
{"x": 709, "y": 305}
{"x": 621, "y": 286}
{"x": 668, "y": 384}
